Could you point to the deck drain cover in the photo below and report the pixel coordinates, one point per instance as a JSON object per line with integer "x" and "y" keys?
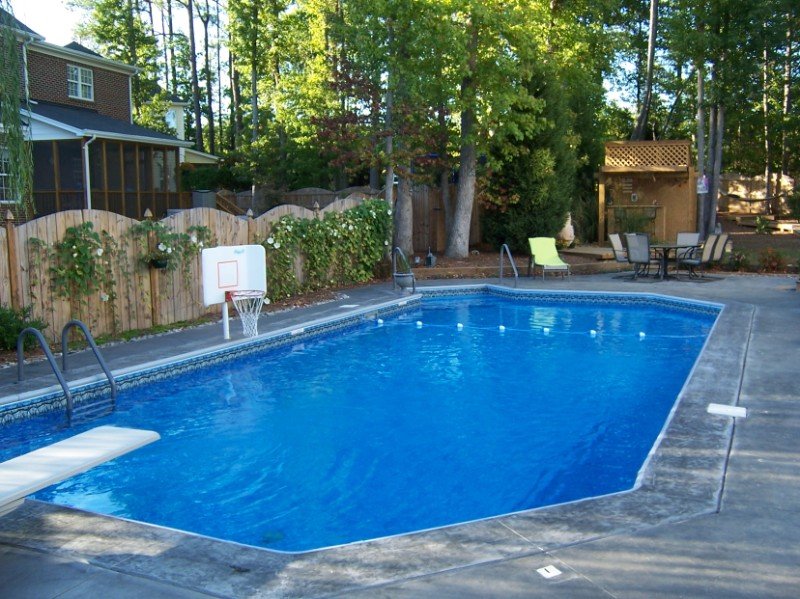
{"x": 549, "y": 571}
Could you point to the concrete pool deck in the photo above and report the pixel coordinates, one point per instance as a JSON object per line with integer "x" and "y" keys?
{"x": 718, "y": 515}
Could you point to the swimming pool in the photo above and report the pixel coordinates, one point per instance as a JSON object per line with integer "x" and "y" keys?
{"x": 488, "y": 417}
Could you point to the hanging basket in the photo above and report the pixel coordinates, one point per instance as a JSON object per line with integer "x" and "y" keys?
{"x": 160, "y": 263}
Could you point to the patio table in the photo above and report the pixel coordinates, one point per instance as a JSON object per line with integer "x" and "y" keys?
{"x": 664, "y": 250}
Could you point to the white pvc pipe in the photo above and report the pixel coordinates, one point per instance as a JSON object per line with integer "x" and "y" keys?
{"x": 226, "y": 330}
{"x": 87, "y": 179}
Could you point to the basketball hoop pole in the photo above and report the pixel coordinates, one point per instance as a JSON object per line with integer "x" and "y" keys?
{"x": 226, "y": 329}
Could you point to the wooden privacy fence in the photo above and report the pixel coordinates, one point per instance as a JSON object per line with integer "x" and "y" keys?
{"x": 142, "y": 296}
{"x": 428, "y": 211}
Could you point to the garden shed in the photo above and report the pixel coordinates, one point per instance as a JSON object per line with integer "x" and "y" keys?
{"x": 647, "y": 186}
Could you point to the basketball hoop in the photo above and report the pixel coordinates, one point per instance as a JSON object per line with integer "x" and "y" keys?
{"x": 248, "y": 304}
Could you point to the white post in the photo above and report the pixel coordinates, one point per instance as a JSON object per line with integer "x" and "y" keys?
{"x": 226, "y": 330}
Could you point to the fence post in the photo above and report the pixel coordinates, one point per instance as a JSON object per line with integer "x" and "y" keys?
{"x": 13, "y": 262}
{"x": 251, "y": 227}
{"x": 155, "y": 295}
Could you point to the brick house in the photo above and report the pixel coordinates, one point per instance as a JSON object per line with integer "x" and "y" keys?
{"x": 87, "y": 153}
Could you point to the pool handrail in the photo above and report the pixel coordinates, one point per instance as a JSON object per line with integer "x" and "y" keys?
{"x": 48, "y": 354}
{"x": 95, "y": 350}
{"x": 401, "y": 279}
{"x": 504, "y": 249}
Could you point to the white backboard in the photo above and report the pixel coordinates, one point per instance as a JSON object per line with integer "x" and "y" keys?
{"x": 232, "y": 267}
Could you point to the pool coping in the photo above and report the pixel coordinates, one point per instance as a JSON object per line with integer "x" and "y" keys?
{"x": 683, "y": 478}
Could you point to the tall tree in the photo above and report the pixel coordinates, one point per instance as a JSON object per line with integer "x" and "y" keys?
{"x": 494, "y": 42}
{"x": 644, "y": 109}
{"x": 205, "y": 16}
{"x": 119, "y": 32}
{"x": 196, "y": 108}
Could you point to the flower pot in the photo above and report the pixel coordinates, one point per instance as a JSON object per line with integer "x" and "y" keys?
{"x": 158, "y": 263}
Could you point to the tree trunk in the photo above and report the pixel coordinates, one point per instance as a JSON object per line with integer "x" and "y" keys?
{"x": 718, "y": 135}
{"x": 173, "y": 65}
{"x": 444, "y": 174}
{"x": 254, "y": 79}
{"x": 134, "y": 56}
{"x": 198, "y": 120}
{"x": 204, "y": 19}
{"x": 404, "y": 214}
{"x": 458, "y": 239}
{"x": 164, "y": 47}
{"x": 767, "y": 145}
{"x": 787, "y": 100}
{"x": 237, "y": 129}
{"x": 644, "y": 111}
{"x": 389, "y": 190}
{"x": 701, "y": 151}
{"x": 219, "y": 75}
{"x": 375, "y": 124}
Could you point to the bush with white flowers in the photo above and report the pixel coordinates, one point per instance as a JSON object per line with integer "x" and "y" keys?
{"x": 343, "y": 248}
{"x": 79, "y": 264}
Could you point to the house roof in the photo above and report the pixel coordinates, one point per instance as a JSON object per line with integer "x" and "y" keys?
{"x": 79, "y": 48}
{"x": 7, "y": 17}
{"x": 82, "y": 122}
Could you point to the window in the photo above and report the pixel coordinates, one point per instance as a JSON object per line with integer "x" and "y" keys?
{"x": 80, "y": 83}
{"x": 5, "y": 183}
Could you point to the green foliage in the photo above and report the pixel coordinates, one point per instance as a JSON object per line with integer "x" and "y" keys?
{"x": 12, "y": 323}
{"x": 160, "y": 246}
{"x": 152, "y": 114}
{"x": 771, "y": 260}
{"x": 531, "y": 193}
{"x": 80, "y": 264}
{"x": 199, "y": 177}
{"x": 281, "y": 248}
{"x": 739, "y": 261}
{"x": 214, "y": 177}
{"x": 118, "y": 31}
{"x": 344, "y": 248}
{"x": 19, "y": 176}
{"x": 762, "y": 226}
{"x": 793, "y": 200}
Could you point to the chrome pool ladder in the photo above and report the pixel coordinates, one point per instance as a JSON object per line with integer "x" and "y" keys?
{"x": 505, "y": 251}
{"x": 404, "y": 279}
{"x": 88, "y": 409}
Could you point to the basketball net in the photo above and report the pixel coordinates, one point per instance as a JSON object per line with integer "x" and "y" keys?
{"x": 248, "y": 304}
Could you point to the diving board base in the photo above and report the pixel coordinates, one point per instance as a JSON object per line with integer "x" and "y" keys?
{"x": 31, "y": 472}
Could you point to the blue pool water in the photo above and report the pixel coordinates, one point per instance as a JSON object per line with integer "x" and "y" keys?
{"x": 398, "y": 427}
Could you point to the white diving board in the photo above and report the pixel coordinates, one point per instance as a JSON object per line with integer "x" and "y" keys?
{"x": 31, "y": 472}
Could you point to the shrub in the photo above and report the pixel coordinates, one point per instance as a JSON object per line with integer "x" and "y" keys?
{"x": 762, "y": 226}
{"x": 739, "y": 261}
{"x": 343, "y": 248}
{"x": 770, "y": 260}
{"x": 12, "y": 323}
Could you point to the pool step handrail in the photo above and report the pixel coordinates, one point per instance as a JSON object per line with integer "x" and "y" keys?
{"x": 46, "y": 349}
{"x": 405, "y": 279}
{"x": 504, "y": 250}
{"x": 95, "y": 350}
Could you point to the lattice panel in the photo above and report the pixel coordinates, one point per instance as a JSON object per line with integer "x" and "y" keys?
{"x": 644, "y": 153}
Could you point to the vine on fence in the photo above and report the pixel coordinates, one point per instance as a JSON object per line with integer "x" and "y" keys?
{"x": 79, "y": 265}
{"x": 341, "y": 249}
{"x": 87, "y": 265}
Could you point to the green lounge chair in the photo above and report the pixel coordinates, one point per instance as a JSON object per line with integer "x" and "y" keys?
{"x": 545, "y": 256}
